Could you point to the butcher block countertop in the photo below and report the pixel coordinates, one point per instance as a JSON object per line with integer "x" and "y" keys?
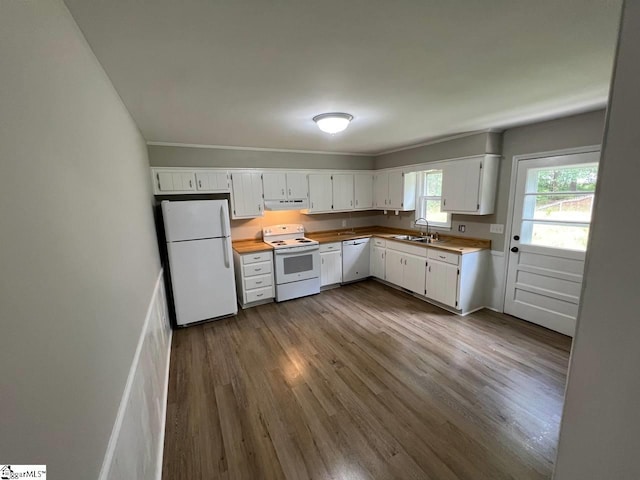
{"x": 448, "y": 243}
{"x": 251, "y": 246}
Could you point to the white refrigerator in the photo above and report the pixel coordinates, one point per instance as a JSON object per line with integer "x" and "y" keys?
{"x": 200, "y": 259}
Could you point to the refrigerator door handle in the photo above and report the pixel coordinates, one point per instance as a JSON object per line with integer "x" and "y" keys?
{"x": 224, "y": 222}
{"x": 225, "y": 253}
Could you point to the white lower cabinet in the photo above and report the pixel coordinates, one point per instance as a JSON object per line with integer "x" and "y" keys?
{"x": 254, "y": 278}
{"x": 442, "y": 283}
{"x": 330, "y": 264}
{"x": 405, "y": 266}
{"x": 446, "y": 278}
{"x": 378, "y": 254}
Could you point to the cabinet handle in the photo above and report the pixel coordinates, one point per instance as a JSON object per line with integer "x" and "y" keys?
{"x": 200, "y": 183}
{"x": 429, "y": 268}
{"x": 259, "y": 294}
{"x": 259, "y": 207}
{"x": 190, "y": 184}
{"x": 442, "y": 256}
{"x": 444, "y": 202}
{"x": 289, "y": 192}
{"x": 259, "y": 283}
{"x": 257, "y": 269}
{"x": 356, "y": 203}
{"x": 351, "y": 203}
{"x": 256, "y": 258}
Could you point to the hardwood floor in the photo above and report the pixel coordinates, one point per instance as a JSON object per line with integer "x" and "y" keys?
{"x": 364, "y": 382}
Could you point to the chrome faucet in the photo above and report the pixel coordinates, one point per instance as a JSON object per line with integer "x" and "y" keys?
{"x": 425, "y": 234}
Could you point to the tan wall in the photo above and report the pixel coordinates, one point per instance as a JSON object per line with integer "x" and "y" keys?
{"x": 79, "y": 253}
{"x": 163, "y": 156}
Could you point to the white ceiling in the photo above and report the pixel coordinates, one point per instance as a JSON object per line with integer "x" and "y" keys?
{"x": 253, "y": 73}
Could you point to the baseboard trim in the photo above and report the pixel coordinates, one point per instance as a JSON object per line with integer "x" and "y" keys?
{"x": 165, "y": 399}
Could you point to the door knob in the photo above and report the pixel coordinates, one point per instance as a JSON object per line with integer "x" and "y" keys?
{"x": 514, "y": 249}
{"x": 516, "y": 237}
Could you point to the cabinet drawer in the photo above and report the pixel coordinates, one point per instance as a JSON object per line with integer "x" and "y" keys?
{"x": 257, "y": 269}
{"x": 417, "y": 250}
{"x": 256, "y": 257}
{"x": 259, "y": 281}
{"x": 443, "y": 256}
{"x": 259, "y": 294}
{"x": 330, "y": 247}
{"x": 379, "y": 242}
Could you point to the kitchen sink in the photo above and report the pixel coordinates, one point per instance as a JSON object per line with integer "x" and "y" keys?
{"x": 412, "y": 238}
{"x": 408, "y": 237}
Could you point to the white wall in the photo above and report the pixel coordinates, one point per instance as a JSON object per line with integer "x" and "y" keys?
{"x": 600, "y": 431}
{"x": 79, "y": 254}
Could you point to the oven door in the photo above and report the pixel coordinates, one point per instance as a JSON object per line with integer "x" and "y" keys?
{"x": 298, "y": 263}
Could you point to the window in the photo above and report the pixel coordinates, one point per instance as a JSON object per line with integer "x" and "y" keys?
{"x": 429, "y": 195}
{"x": 557, "y": 206}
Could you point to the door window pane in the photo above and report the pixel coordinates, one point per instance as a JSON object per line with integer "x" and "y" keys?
{"x": 574, "y": 178}
{"x": 562, "y": 208}
{"x": 569, "y": 237}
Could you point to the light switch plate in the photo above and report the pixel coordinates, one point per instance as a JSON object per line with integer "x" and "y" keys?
{"x": 496, "y": 228}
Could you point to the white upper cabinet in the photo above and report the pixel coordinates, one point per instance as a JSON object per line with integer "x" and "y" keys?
{"x": 297, "y": 186}
{"x": 170, "y": 181}
{"x": 469, "y": 185}
{"x": 285, "y": 186}
{"x": 342, "y": 191}
{"x": 246, "y": 195}
{"x": 380, "y": 190}
{"x": 320, "y": 193}
{"x": 212, "y": 181}
{"x": 363, "y": 191}
{"x": 275, "y": 186}
{"x": 394, "y": 190}
{"x": 174, "y": 181}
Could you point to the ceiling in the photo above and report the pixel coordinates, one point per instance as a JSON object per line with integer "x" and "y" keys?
{"x": 252, "y": 73}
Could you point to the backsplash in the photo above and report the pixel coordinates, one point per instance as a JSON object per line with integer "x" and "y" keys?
{"x": 245, "y": 229}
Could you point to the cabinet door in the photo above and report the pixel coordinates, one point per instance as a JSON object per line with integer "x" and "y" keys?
{"x": 320, "y": 193}
{"x": 381, "y": 190}
{"x": 343, "y": 192}
{"x": 212, "y": 181}
{"x": 396, "y": 190}
{"x": 442, "y": 283}
{"x": 377, "y": 262}
{"x": 246, "y": 195}
{"x": 461, "y": 185}
{"x": 275, "y": 186}
{"x": 165, "y": 181}
{"x": 297, "y": 186}
{"x": 414, "y": 273}
{"x": 394, "y": 267}
{"x": 330, "y": 268}
{"x": 363, "y": 191}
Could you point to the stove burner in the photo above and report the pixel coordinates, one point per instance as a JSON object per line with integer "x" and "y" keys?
{"x": 303, "y": 240}
{"x": 278, "y": 242}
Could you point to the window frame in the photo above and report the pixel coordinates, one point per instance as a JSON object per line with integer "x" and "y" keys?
{"x": 422, "y": 199}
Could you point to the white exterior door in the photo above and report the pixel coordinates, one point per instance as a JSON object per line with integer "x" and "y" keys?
{"x": 551, "y": 216}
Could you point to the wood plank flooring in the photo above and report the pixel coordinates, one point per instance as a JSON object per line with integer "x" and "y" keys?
{"x": 364, "y": 382}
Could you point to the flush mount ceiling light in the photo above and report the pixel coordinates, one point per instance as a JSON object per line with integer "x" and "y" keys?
{"x": 333, "y": 122}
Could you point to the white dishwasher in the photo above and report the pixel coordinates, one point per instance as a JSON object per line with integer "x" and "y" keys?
{"x": 355, "y": 259}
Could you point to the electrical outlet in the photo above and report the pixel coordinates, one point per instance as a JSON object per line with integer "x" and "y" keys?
{"x": 462, "y": 228}
{"x": 344, "y": 223}
{"x": 496, "y": 228}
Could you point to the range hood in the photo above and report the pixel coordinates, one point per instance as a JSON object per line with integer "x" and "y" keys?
{"x": 286, "y": 204}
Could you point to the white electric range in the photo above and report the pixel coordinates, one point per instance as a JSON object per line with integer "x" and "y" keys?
{"x": 297, "y": 261}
